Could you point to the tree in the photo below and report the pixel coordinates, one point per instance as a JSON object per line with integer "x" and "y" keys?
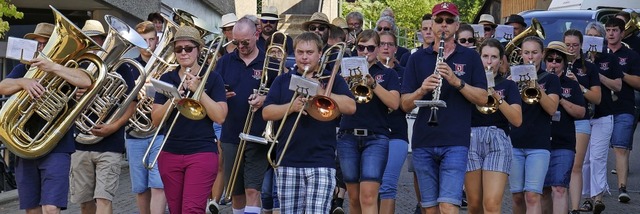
{"x": 7, "y": 10}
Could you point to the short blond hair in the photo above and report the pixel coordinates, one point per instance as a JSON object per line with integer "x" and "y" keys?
{"x": 145, "y": 27}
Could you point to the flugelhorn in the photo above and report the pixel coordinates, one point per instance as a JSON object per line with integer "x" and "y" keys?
{"x": 31, "y": 128}
{"x": 435, "y": 102}
{"x": 492, "y": 104}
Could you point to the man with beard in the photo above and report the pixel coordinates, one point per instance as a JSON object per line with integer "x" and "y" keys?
{"x": 269, "y": 25}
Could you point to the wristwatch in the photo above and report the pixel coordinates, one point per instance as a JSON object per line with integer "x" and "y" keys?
{"x": 584, "y": 90}
{"x": 500, "y": 101}
{"x": 462, "y": 84}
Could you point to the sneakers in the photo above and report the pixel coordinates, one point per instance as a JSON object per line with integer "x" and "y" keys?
{"x": 624, "y": 196}
{"x": 574, "y": 212}
{"x": 614, "y": 171}
{"x": 213, "y": 207}
{"x": 337, "y": 210}
{"x": 598, "y": 207}
{"x": 336, "y": 206}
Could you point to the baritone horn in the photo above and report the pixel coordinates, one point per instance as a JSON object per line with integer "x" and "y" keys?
{"x": 31, "y": 128}
{"x": 632, "y": 26}
{"x": 512, "y": 49}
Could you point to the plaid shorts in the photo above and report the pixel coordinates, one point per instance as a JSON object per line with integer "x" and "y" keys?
{"x": 305, "y": 190}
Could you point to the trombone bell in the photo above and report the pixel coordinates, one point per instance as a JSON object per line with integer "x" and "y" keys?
{"x": 191, "y": 109}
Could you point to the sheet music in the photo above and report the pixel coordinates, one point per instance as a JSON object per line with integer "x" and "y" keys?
{"x": 504, "y": 32}
{"x": 478, "y": 30}
{"x": 17, "y": 47}
{"x": 303, "y": 85}
{"x": 592, "y": 43}
{"x": 520, "y": 73}
{"x": 354, "y": 65}
{"x": 165, "y": 88}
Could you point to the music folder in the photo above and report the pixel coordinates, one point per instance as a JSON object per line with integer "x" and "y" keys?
{"x": 165, "y": 88}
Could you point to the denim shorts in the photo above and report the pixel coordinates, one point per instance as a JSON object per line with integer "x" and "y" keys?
{"x": 141, "y": 177}
{"x": 528, "y": 170}
{"x": 583, "y": 126}
{"x": 362, "y": 158}
{"x": 440, "y": 172}
{"x": 43, "y": 181}
{"x": 622, "y": 131}
{"x": 490, "y": 150}
{"x": 560, "y": 164}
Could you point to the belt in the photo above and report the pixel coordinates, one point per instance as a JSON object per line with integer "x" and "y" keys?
{"x": 358, "y": 132}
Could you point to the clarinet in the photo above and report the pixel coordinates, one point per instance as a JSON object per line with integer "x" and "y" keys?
{"x": 433, "y": 119}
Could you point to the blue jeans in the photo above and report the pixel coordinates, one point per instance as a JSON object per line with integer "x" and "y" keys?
{"x": 362, "y": 158}
{"x": 269, "y": 192}
{"x": 560, "y": 164}
{"x": 622, "y": 131}
{"x": 528, "y": 170}
{"x": 217, "y": 129}
{"x": 440, "y": 172}
{"x": 398, "y": 149}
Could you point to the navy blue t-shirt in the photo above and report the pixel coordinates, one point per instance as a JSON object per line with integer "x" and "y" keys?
{"x": 135, "y": 74}
{"x": 629, "y": 63}
{"x": 314, "y": 142}
{"x": 262, "y": 44}
{"x": 242, "y": 79}
{"x": 191, "y": 136}
{"x": 398, "y": 118}
{"x": 454, "y": 127}
{"x": 508, "y": 91}
{"x": 608, "y": 67}
{"x": 563, "y": 135}
{"x": 373, "y": 115}
{"x": 535, "y": 131}
{"x": 115, "y": 141}
{"x": 587, "y": 78}
{"x": 65, "y": 145}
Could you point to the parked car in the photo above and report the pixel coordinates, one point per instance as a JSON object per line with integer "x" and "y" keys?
{"x": 556, "y": 22}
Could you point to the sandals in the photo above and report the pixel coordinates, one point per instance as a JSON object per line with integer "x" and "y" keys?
{"x": 587, "y": 206}
{"x": 599, "y": 207}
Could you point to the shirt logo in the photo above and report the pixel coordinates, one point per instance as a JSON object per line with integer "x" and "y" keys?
{"x": 501, "y": 93}
{"x": 257, "y": 74}
{"x": 459, "y": 69}
{"x": 379, "y": 78}
{"x": 623, "y": 61}
{"x": 580, "y": 73}
{"x": 566, "y": 92}
{"x": 604, "y": 66}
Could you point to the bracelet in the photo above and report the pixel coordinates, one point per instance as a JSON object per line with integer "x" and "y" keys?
{"x": 462, "y": 84}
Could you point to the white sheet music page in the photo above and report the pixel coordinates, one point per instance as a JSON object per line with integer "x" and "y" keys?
{"x": 19, "y": 47}
{"x": 354, "y": 65}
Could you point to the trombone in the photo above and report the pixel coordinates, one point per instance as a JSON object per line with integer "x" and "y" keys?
{"x": 190, "y": 108}
{"x": 274, "y": 62}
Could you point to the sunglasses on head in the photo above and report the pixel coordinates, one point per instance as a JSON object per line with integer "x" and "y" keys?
{"x": 465, "y": 40}
{"x": 556, "y": 60}
{"x": 439, "y": 20}
{"x": 314, "y": 27}
{"x": 268, "y": 21}
{"x": 243, "y": 42}
{"x": 188, "y": 49}
{"x": 369, "y": 48}
{"x": 383, "y": 29}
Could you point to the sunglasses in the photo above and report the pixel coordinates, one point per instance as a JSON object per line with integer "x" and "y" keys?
{"x": 370, "y": 48}
{"x": 383, "y": 29}
{"x": 556, "y": 60}
{"x": 268, "y": 21}
{"x": 465, "y": 40}
{"x": 243, "y": 42}
{"x": 314, "y": 27}
{"x": 488, "y": 28}
{"x": 439, "y": 20}
{"x": 188, "y": 49}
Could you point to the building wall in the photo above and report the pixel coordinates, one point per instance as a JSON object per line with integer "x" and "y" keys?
{"x": 199, "y": 8}
{"x": 138, "y": 8}
{"x": 509, "y": 7}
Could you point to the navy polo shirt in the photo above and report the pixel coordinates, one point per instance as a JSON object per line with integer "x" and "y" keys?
{"x": 400, "y": 52}
{"x": 454, "y": 127}
{"x": 65, "y": 145}
{"x": 135, "y": 74}
{"x": 191, "y": 136}
{"x": 508, "y": 91}
{"x": 629, "y": 63}
{"x": 563, "y": 132}
{"x": 314, "y": 142}
{"x": 634, "y": 42}
{"x": 115, "y": 141}
{"x": 242, "y": 79}
{"x": 405, "y": 57}
{"x": 607, "y": 66}
{"x": 398, "y": 118}
{"x": 262, "y": 44}
{"x": 535, "y": 131}
{"x": 587, "y": 76}
{"x": 373, "y": 115}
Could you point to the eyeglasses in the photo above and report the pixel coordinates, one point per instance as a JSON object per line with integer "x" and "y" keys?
{"x": 370, "y": 48}
{"x": 488, "y": 28}
{"x": 556, "y": 60}
{"x": 188, "y": 49}
{"x": 243, "y": 42}
{"x": 383, "y": 29}
{"x": 390, "y": 44}
{"x": 227, "y": 28}
{"x": 268, "y": 21}
{"x": 314, "y": 27}
{"x": 439, "y": 20}
{"x": 574, "y": 45}
{"x": 465, "y": 40}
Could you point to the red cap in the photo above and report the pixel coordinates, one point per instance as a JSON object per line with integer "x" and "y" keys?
{"x": 445, "y": 7}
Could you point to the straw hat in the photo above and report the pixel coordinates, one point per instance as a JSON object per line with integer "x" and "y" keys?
{"x": 188, "y": 33}
{"x": 42, "y": 30}
{"x": 487, "y": 19}
{"x": 318, "y": 18}
{"x": 558, "y": 46}
{"x": 93, "y": 28}
{"x": 229, "y": 20}
{"x": 269, "y": 13}
{"x": 340, "y": 22}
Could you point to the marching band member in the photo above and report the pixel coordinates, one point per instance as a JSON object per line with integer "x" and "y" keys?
{"x": 388, "y": 23}
{"x": 517, "y": 22}
{"x": 363, "y": 139}
{"x": 269, "y": 24}
{"x": 189, "y": 160}
{"x": 563, "y": 135}
{"x": 355, "y": 20}
{"x": 586, "y": 73}
{"x": 530, "y": 141}
{"x": 489, "y": 24}
{"x": 158, "y": 22}
{"x": 427, "y": 38}
{"x": 228, "y": 21}
{"x": 43, "y": 183}
{"x": 305, "y": 183}
{"x": 465, "y": 37}
{"x": 95, "y": 168}
{"x": 490, "y": 150}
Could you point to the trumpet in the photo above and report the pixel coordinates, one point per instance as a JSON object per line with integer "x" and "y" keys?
{"x": 492, "y": 104}
{"x": 358, "y": 86}
{"x": 435, "y": 102}
{"x": 531, "y": 92}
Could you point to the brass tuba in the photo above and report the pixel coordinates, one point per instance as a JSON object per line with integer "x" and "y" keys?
{"x": 31, "y": 128}
{"x": 512, "y": 49}
{"x": 112, "y": 101}
{"x": 632, "y": 26}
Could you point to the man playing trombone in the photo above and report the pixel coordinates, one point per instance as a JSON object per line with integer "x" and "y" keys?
{"x": 305, "y": 183}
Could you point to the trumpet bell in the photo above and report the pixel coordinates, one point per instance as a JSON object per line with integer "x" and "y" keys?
{"x": 531, "y": 95}
{"x": 362, "y": 93}
{"x": 191, "y": 109}
{"x": 323, "y": 108}
{"x": 489, "y": 108}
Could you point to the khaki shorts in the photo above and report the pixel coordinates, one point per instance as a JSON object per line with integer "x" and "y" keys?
{"x": 94, "y": 175}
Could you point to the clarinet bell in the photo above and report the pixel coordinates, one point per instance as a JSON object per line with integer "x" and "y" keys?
{"x": 433, "y": 118}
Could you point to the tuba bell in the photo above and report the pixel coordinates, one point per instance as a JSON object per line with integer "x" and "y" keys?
{"x": 31, "y": 128}
{"x": 512, "y": 49}
{"x": 632, "y": 26}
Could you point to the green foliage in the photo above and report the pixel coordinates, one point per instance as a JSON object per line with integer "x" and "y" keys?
{"x": 7, "y": 10}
